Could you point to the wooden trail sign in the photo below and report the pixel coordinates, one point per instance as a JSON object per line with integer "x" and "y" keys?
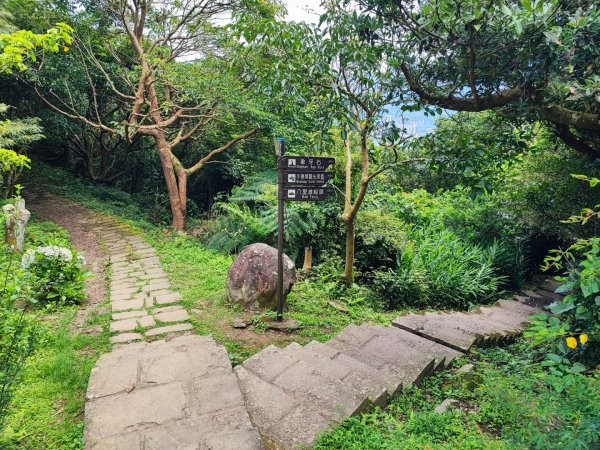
{"x": 300, "y": 179}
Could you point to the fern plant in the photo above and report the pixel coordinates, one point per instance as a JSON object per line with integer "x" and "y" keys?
{"x": 250, "y": 215}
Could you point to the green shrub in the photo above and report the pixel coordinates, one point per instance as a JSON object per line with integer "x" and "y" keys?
{"x": 18, "y": 330}
{"x": 437, "y": 269}
{"x": 54, "y": 275}
{"x": 574, "y": 331}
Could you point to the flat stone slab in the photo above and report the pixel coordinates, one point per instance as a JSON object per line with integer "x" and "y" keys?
{"x": 169, "y": 329}
{"x": 164, "y": 395}
{"x": 440, "y": 328}
{"x": 177, "y": 315}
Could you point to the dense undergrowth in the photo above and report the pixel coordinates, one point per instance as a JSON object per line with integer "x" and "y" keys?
{"x": 508, "y": 401}
{"x": 45, "y": 363}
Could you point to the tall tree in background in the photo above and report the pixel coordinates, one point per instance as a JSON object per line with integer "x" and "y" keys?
{"x": 356, "y": 97}
{"x": 533, "y": 59}
{"x": 164, "y": 68}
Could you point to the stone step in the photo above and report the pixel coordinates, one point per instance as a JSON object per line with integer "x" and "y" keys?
{"x": 519, "y": 307}
{"x": 389, "y": 380}
{"x": 493, "y": 332}
{"x": 372, "y": 388}
{"x": 180, "y": 394}
{"x": 443, "y": 355}
{"x": 403, "y": 364}
{"x": 550, "y": 296}
{"x": 442, "y": 328}
{"x": 283, "y": 421}
{"x": 551, "y": 285}
{"x": 335, "y": 400}
{"x": 532, "y": 299}
{"x": 503, "y": 315}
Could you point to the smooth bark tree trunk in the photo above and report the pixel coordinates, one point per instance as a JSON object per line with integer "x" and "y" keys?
{"x": 350, "y": 239}
{"x": 307, "y": 259}
{"x": 173, "y": 184}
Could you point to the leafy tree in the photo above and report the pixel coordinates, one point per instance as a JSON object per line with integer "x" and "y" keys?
{"x": 164, "y": 68}
{"x": 533, "y": 59}
{"x": 347, "y": 89}
{"x": 470, "y": 149}
{"x": 21, "y": 47}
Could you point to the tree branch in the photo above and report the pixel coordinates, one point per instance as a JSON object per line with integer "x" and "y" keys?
{"x": 216, "y": 151}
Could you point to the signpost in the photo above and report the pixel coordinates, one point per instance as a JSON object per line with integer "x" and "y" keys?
{"x": 300, "y": 179}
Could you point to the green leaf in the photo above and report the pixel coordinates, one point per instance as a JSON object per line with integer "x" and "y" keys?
{"x": 561, "y": 307}
{"x": 577, "y": 368}
{"x": 554, "y": 358}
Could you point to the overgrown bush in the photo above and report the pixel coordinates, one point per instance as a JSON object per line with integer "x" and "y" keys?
{"x": 18, "y": 329}
{"x": 574, "y": 331}
{"x": 54, "y": 275}
{"x": 437, "y": 269}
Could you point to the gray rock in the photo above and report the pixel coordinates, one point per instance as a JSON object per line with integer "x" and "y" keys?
{"x": 16, "y": 217}
{"x": 252, "y": 278}
{"x": 465, "y": 369}
{"x": 445, "y": 405}
{"x": 239, "y": 323}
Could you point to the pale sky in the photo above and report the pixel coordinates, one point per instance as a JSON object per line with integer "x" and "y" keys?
{"x": 303, "y": 10}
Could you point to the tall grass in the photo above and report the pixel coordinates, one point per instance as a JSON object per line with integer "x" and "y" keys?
{"x": 437, "y": 269}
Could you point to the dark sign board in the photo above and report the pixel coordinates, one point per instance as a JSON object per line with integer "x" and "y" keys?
{"x": 306, "y": 178}
{"x": 304, "y": 163}
{"x": 307, "y": 194}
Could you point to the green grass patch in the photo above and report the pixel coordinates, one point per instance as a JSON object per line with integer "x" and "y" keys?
{"x": 507, "y": 402}
{"x": 200, "y": 275}
{"x": 47, "y": 408}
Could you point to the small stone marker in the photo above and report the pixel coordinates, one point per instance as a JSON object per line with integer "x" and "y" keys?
{"x": 16, "y": 220}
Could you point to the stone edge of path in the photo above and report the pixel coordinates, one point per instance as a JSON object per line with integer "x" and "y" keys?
{"x": 167, "y": 394}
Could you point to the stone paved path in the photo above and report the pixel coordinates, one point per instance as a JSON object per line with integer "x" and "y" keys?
{"x": 178, "y": 392}
{"x": 296, "y": 393}
{"x": 163, "y": 395}
{"x": 142, "y": 301}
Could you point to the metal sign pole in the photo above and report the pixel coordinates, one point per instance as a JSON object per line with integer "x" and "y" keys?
{"x": 280, "y": 213}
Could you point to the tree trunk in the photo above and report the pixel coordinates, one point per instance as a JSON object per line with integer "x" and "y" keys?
{"x": 173, "y": 187}
{"x": 307, "y": 259}
{"x": 349, "y": 269}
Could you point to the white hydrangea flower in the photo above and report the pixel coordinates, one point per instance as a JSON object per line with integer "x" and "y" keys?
{"x": 50, "y": 251}
{"x": 28, "y": 259}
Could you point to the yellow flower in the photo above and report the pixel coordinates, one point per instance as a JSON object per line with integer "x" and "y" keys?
{"x": 66, "y": 49}
{"x": 571, "y": 342}
{"x": 583, "y": 338}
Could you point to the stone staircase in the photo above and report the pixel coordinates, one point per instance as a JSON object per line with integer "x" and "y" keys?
{"x": 294, "y": 394}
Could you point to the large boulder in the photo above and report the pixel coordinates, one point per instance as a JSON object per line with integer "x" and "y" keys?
{"x": 252, "y": 278}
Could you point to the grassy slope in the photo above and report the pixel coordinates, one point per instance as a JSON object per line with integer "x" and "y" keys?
{"x": 507, "y": 402}
{"x": 47, "y": 408}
